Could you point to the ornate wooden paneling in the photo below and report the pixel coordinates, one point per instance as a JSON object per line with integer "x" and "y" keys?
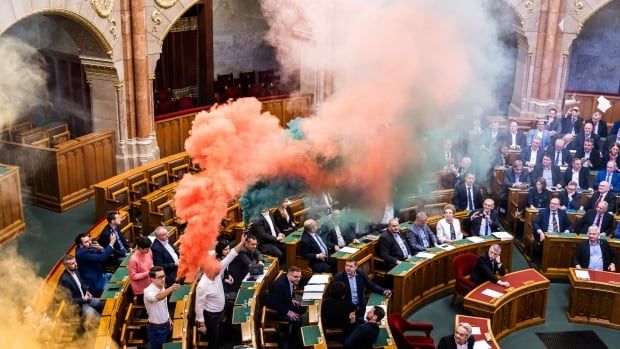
{"x": 11, "y": 209}
{"x": 587, "y": 105}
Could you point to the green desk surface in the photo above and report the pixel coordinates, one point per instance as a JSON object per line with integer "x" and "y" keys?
{"x": 310, "y": 335}
{"x": 415, "y": 260}
{"x": 436, "y": 250}
{"x": 180, "y": 293}
{"x": 119, "y": 275}
{"x": 567, "y": 235}
{"x": 110, "y": 291}
{"x": 248, "y": 284}
{"x": 244, "y": 295}
{"x": 173, "y": 345}
{"x": 400, "y": 269}
{"x": 490, "y": 237}
{"x": 238, "y": 316}
{"x": 382, "y": 338}
{"x": 375, "y": 299}
{"x": 340, "y": 255}
{"x": 292, "y": 237}
{"x": 2, "y": 169}
{"x": 308, "y": 303}
{"x": 360, "y": 245}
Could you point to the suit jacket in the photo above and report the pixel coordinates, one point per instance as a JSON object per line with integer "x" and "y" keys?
{"x": 573, "y": 204}
{"x": 416, "y": 240}
{"x": 538, "y": 200}
{"x": 595, "y": 158}
{"x": 581, "y": 138}
{"x": 584, "y": 177}
{"x": 448, "y": 342}
{"x": 602, "y": 129}
{"x": 589, "y": 218}
{"x": 285, "y": 226}
{"x": 542, "y": 221}
{"x": 509, "y": 177}
{"x": 328, "y": 233}
{"x": 610, "y": 198}
{"x": 262, "y": 231}
{"x": 582, "y": 254}
{"x": 526, "y": 154}
{"x": 363, "y": 337}
{"x": 567, "y": 122}
{"x": 240, "y": 266}
{"x": 459, "y": 199}
{"x": 537, "y": 172}
{"x": 485, "y": 271}
{"x": 162, "y": 258}
{"x": 389, "y": 250}
{"x": 555, "y": 125}
{"x": 280, "y": 296}
{"x": 565, "y": 155}
{"x": 335, "y": 314}
{"x": 309, "y": 248}
{"x": 68, "y": 283}
{"x": 474, "y": 225}
{"x": 602, "y": 175}
{"x": 546, "y": 138}
{"x": 104, "y": 240}
{"x": 520, "y": 138}
{"x": 90, "y": 264}
{"x": 362, "y": 281}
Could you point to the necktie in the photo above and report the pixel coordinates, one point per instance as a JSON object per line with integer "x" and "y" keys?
{"x": 487, "y": 231}
{"x": 600, "y": 197}
{"x": 554, "y": 222}
{"x": 321, "y": 245}
{"x": 608, "y": 179}
{"x": 118, "y": 241}
{"x": 598, "y": 220}
{"x": 452, "y": 232}
{"x": 470, "y": 199}
{"x": 424, "y": 238}
{"x": 558, "y": 158}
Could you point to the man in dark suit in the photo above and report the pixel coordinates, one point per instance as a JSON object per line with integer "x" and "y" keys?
{"x": 590, "y": 158}
{"x": 532, "y": 155}
{"x": 598, "y": 217}
{"x": 594, "y": 253}
{"x": 572, "y": 122}
{"x": 315, "y": 250}
{"x": 555, "y": 178}
{"x": 513, "y": 138}
{"x": 121, "y": 247}
{"x": 281, "y": 297}
{"x": 357, "y": 279}
{"x": 336, "y": 233}
{"x": 603, "y": 194}
{"x": 269, "y": 236}
{"x": 392, "y": 246}
{"x": 70, "y": 280}
{"x": 552, "y": 219}
{"x": 247, "y": 256}
{"x": 514, "y": 177}
{"x": 484, "y": 221}
{"x": 165, "y": 255}
{"x": 598, "y": 127}
{"x": 487, "y": 266}
{"x": 365, "y": 335}
{"x": 570, "y": 198}
{"x": 588, "y": 134}
{"x": 579, "y": 174}
{"x": 558, "y": 155}
{"x": 462, "y": 336}
{"x": 90, "y": 259}
{"x": 467, "y": 195}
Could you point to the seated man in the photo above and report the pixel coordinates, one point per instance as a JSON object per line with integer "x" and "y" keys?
{"x": 532, "y": 155}
{"x": 90, "y": 258}
{"x": 603, "y": 194}
{"x": 590, "y": 158}
{"x": 570, "y": 198}
{"x": 487, "y": 265}
{"x": 610, "y": 175}
{"x": 314, "y": 249}
{"x": 420, "y": 237}
{"x": 598, "y": 217}
{"x": 121, "y": 247}
{"x": 269, "y": 236}
{"x": 392, "y": 246}
{"x": 337, "y": 233}
{"x": 594, "y": 253}
{"x": 462, "y": 338}
{"x": 90, "y": 307}
{"x": 548, "y": 171}
{"x": 539, "y": 132}
{"x": 551, "y": 220}
{"x": 578, "y": 174}
{"x": 365, "y": 335}
{"x": 467, "y": 194}
{"x": 484, "y": 221}
{"x": 281, "y": 297}
{"x": 248, "y": 255}
{"x": 357, "y": 281}
{"x": 559, "y": 156}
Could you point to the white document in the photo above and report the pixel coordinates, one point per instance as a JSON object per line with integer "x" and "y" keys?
{"x": 502, "y": 235}
{"x": 310, "y": 296}
{"x": 348, "y": 249}
{"x": 475, "y": 330}
{"x": 481, "y": 345}
{"x": 582, "y": 274}
{"x": 314, "y": 288}
{"x": 491, "y": 293}
{"x": 603, "y": 104}
{"x": 425, "y": 255}
{"x": 446, "y": 247}
{"x": 319, "y": 279}
{"x": 475, "y": 239}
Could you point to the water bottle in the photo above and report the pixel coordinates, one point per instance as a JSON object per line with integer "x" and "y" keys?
{"x": 246, "y": 308}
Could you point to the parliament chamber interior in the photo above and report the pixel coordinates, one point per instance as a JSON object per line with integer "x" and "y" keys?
{"x": 310, "y": 174}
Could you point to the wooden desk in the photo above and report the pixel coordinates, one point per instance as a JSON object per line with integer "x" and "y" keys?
{"x": 523, "y": 304}
{"x": 595, "y": 301}
{"x": 419, "y": 280}
{"x": 363, "y": 249}
{"x": 12, "y": 223}
{"x": 485, "y": 328}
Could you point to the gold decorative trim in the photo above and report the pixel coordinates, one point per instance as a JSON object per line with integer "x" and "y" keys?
{"x": 156, "y": 19}
{"x": 578, "y": 6}
{"x": 103, "y": 7}
{"x": 166, "y": 3}
{"x": 529, "y": 5}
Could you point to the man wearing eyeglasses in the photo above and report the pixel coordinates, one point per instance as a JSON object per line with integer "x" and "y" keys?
{"x": 156, "y": 295}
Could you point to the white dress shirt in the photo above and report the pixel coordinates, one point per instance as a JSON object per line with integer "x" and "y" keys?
{"x": 156, "y": 309}
{"x": 210, "y": 293}
{"x": 270, "y": 223}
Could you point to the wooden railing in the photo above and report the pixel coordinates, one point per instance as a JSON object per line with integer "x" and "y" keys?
{"x": 11, "y": 209}
{"x": 172, "y": 129}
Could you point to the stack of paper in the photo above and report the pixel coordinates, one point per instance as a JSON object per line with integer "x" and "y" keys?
{"x": 425, "y": 255}
{"x": 310, "y": 296}
{"x": 314, "y": 288}
{"x": 582, "y": 274}
{"x": 492, "y": 293}
{"x": 319, "y": 279}
{"x": 603, "y": 104}
{"x": 481, "y": 345}
{"x": 447, "y": 247}
{"x": 348, "y": 249}
{"x": 475, "y": 239}
{"x": 475, "y": 330}
{"x": 502, "y": 235}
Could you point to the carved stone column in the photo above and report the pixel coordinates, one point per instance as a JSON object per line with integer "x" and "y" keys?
{"x": 103, "y": 81}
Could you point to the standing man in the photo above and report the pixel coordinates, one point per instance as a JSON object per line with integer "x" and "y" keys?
{"x": 484, "y": 221}
{"x": 156, "y": 295}
{"x": 487, "y": 266}
{"x": 365, "y": 335}
{"x": 90, "y": 259}
{"x": 357, "y": 281}
{"x": 281, "y": 296}
{"x": 462, "y": 338}
{"x": 210, "y": 297}
{"x": 165, "y": 254}
{"x": 594, "y": 253}
{"x": 121, "y": 247}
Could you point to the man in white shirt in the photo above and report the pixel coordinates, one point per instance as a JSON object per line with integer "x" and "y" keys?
{"x": 156, "y": 295}
{"x": 210, "y": 299}
{"x": 70, "y": 280}
{"x": 165, "y": 254}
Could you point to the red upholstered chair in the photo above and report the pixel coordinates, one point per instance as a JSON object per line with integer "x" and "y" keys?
{"x": 463, "y": 265}
{"x": 399, "y": 326}
{"x": 233, "y": 92}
